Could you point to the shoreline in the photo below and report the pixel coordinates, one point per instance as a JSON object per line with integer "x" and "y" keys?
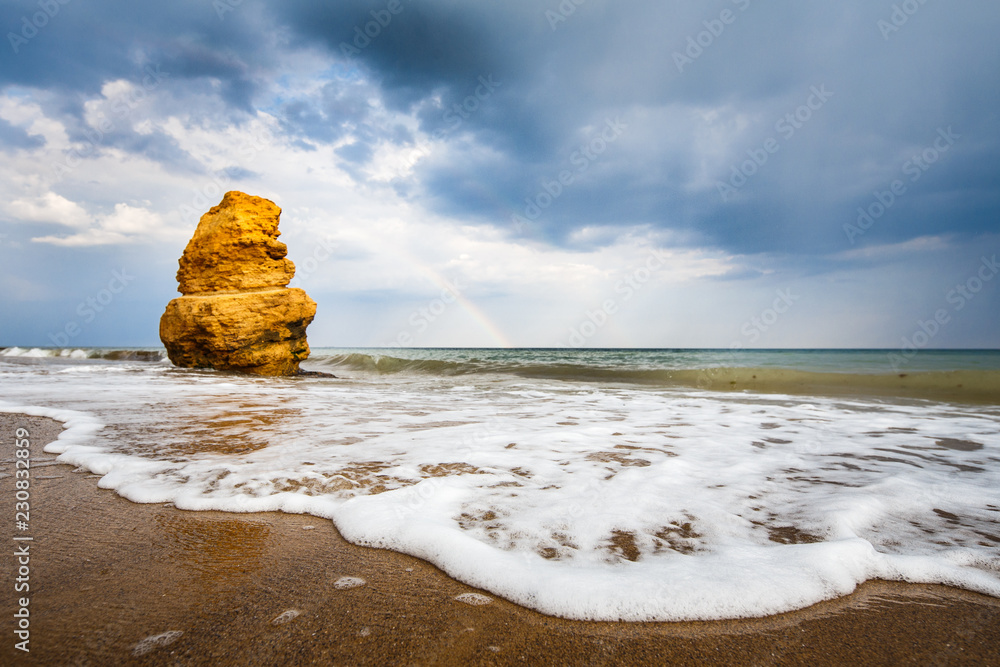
{"x": 263, "y": 588}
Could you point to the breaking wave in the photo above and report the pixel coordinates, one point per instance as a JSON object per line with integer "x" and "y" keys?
{"x": 125, "y": 354}
{"x": 976, "y": 385}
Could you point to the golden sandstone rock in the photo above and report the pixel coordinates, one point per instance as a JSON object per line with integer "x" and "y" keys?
{"x": 237, "y": 312}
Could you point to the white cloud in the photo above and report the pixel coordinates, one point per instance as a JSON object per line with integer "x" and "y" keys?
{"x": 49, "y": 208}
{"x": 28, "y": 115}
{"x": 90, "y": 237}
{"x": 126, "y": 224}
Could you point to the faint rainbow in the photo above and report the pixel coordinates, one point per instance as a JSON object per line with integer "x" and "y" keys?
{"x": 469, "y": 306}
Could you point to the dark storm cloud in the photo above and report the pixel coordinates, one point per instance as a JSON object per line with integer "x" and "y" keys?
{"x": 892, "y": 90}
{"x": 420, "y": 47}
{"x": 338, "y": 108}
{"x": 84, "y": 44}
{"x": 701, "y": 86}
{"x": 183, "y": 47}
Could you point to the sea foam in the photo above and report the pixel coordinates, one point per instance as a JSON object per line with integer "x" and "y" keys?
{"x": 580, "y": 500}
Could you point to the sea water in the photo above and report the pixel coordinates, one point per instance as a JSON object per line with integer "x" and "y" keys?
{"x": 609, "y": 484}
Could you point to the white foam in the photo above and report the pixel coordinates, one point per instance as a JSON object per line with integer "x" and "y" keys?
{"x": 40, "y": 353}
{"x": 148, "y": 644}
{"x": 474, "y": 599}
{"x": 588, "y": 502}
{"x": 348, "y": 582}
{"x": 286, "y": 616}
{"x": 80, "y": 427}
{"x": 34, "y": 352}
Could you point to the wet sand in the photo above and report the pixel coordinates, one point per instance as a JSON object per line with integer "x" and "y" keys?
{"x": 261, "y": 589}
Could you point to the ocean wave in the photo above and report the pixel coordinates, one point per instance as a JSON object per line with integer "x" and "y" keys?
{"x": 109, "y": 354}
{"x": 637, "y": 368}
{"x": 968, "y": 385}
{"x": 388, "y": 365}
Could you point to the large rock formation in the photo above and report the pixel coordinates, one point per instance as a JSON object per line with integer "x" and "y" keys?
{"x": 237, "y": 312}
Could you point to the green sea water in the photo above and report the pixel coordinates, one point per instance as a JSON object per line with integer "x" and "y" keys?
{"x": 952, "y": 375}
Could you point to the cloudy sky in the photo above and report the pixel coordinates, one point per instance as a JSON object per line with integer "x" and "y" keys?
{"x": 654, "y": 173}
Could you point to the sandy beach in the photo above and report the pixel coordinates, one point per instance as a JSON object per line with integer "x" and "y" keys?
{"x": 116, "y": 582}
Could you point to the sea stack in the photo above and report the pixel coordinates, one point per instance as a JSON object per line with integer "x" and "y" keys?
{"x": 237, "y": 312}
